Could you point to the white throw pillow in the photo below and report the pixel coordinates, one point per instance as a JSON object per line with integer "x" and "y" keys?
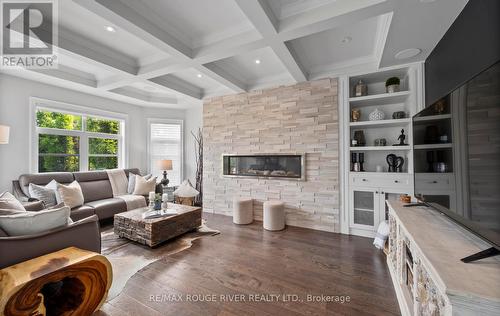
{"x": 53, "y": 186}
{"x": 29, "y": 223}
{"x": 71, "y": 195}
{"x": 131, "y": 181}
{"x": 143, "y": 186}
{"x": 9, "y": 202}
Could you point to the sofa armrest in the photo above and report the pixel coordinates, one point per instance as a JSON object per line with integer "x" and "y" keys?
{"x": 18, "y": 192}
{"x": 83, "y": 234}
{"x": 34, "y": 206}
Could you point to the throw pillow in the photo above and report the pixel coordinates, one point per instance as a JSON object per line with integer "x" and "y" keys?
{"x": 29, "y": 223}
{"x": 131, "y": 181}
{"x": 42, "y": 193}
{"x": 71, "y": 195}
{"x": 143, "y": 186}
{"x": 53, "y": 186}
{"x": 9, "y": 202}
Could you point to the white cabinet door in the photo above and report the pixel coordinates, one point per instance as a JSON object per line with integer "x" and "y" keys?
{"x": 364, "y": 208}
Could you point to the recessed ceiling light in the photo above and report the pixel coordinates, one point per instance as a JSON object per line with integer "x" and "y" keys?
{"x": 110, "y": 29}
{"x": 346, "y": 39}
{"x": 199, "y": 75}
{"x": 408, "y": 53}
{"x": 257, "y": 61}
{"x": 427, "y": 1}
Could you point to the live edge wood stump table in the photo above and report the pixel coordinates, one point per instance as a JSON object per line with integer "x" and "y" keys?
{"x": 67, "y": 282}
{"x": 155, "y": 231}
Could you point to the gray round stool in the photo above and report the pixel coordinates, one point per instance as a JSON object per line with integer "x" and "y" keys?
{"x": 274, "y": 215}
{"x": 242, "y": 210}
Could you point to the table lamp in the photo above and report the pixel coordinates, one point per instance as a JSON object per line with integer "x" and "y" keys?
{"x": 164, "y": 165}
{"x": 4, "y": 134}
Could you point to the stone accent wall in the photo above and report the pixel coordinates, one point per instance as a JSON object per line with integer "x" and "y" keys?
{"x": 302, "y": 118}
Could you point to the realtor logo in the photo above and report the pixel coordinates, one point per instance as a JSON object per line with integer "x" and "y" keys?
{"x": 29, "y": 34}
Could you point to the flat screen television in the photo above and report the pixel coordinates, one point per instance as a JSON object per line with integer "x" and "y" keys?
{"x": 457, "y": 157}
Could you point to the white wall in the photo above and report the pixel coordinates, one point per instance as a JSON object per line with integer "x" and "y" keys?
{"x": 194, "y": 120}
{"x": 14, "y": 111}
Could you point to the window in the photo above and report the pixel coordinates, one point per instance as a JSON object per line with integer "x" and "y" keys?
{"x": 76, "y": 142}
{"x": 166, "y": 142}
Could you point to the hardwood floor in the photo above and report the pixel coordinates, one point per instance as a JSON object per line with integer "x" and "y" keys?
{"x": 248, "y": 263}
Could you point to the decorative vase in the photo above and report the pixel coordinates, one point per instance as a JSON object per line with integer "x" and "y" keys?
{"x": 359, "y": 136}
{"x": 376, "y": 115}
{"x": 157, "y": 205}
{"x": 392, "y": 88}
{"x": 355, "y": 115}
{"x": 360, "y": 89}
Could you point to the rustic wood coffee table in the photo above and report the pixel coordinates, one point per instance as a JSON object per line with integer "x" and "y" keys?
{"x": 153, "y": 232}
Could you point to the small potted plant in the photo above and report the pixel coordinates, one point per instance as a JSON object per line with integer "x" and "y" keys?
{"x": 157, "y": 205}
{"x": 392, "y": 85}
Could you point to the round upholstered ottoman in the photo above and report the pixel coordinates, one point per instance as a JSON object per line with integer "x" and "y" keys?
{"x": 242, "y": 210}
{"x": 274, "y": 215}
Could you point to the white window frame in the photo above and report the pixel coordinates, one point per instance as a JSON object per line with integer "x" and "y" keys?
{"x": 67, "y": 108}
{"x": 166, "y": 121}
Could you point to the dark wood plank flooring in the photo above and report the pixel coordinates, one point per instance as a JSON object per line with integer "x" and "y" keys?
{"x": 248, "y": 262}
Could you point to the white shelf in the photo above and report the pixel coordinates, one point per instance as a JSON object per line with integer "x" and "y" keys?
{"x": 379, "y": 99}
{"x": 381, "y": 123}
{"x": 385, "y": 173}
{"x": 363, "y": 209}
{"x": 432, "y": 118}
{"x": 380, "y": 148}
{"x": 433, "y": 146}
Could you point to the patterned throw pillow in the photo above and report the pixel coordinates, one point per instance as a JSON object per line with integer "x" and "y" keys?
{"x": 131, "y": 181}
{"x": 43, "y": 193}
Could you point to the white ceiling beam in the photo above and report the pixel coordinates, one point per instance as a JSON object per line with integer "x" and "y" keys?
{"x": 264, "y": 21}
{"x": 129, "y": 20}
{"x": 222, "y": 77}
{"x": 321, "y": 19}
{"x": 177, "y": 85}
{"x": 67, "y": 76}
{"x": 137, "y": 94}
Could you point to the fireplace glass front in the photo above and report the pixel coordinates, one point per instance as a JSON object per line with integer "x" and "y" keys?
{"x": 264, "y": 166}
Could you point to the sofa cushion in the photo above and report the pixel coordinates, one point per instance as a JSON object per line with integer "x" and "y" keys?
{"x": 45, "y": 194}
{"x": 29, "y": 223}
{"x": 71, "y": 194}
{"x": 96, "y": 190}
{"x": 107, "y": 208}
{"x": 9, "y": 202}
{"x": 44, "y": 179}
{"x": 81, "y": 212}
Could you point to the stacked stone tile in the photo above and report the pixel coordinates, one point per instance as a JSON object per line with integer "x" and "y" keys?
{"x": 302, "y": 118}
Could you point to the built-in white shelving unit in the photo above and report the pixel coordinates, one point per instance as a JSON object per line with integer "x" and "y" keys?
{"x": 365, "y": 192}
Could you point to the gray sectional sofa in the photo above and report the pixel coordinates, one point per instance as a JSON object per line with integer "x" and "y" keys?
{"x": 96, "y": 189}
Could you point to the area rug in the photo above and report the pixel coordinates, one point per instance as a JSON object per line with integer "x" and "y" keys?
{"x": 128, "y": 257}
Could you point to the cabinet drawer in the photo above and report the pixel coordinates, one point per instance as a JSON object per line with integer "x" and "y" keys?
{"x": 396, "y": 180}
{"x": 431, "y": 181}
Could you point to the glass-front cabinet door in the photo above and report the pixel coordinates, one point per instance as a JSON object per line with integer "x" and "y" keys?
{"x": 364, "y": 208}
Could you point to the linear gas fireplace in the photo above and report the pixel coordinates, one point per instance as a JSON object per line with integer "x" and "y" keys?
{"x": 267, "y": 166}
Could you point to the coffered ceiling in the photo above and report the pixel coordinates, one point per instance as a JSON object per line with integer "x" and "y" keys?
{"x": 174, "y": 53}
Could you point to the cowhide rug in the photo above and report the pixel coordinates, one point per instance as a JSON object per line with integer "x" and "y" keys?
{"x": 128, "y": 257}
